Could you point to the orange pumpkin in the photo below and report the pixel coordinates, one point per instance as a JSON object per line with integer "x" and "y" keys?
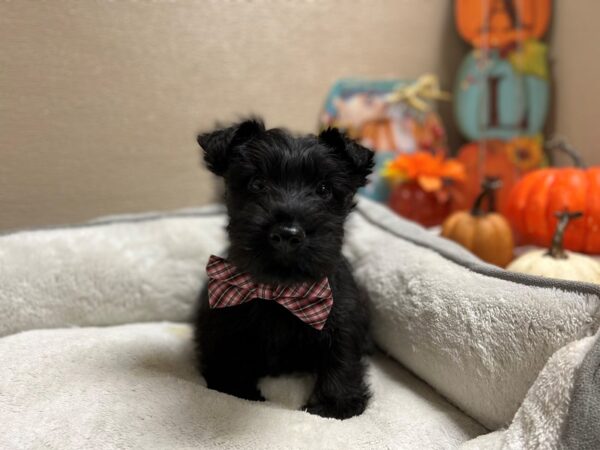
{"x": 486, "y": 159}
{"x": 536, "y": 197}
{"x": 500, "y": 23}
{"x": 486, "y": 234}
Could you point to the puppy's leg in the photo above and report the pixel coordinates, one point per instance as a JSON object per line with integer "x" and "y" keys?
{"x": 231, "y": 373}
{"x": 242, "y": 387}
{"x": 340, "y": 391}
{"x": 230, "y": 363}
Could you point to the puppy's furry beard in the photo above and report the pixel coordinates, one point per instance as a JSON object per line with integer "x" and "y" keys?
{"x": 250, "y": 250}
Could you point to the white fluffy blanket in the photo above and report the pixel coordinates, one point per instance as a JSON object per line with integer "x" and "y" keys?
{"x": 135, "y": 386}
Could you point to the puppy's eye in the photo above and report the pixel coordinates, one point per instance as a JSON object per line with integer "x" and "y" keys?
{"x": 324, "y": 190}
{"x": 257, "y": 184}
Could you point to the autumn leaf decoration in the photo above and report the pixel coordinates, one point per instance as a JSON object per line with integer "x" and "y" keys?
{"x": 428, "y": 170}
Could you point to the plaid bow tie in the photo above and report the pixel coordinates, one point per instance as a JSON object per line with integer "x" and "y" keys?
{"x": 311, "y": 303}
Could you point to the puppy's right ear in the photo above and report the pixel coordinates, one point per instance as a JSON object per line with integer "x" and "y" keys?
{"x": 359, "y": 157}
{"x": 219, "y": 145}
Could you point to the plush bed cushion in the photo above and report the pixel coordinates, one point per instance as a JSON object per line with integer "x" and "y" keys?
{"x": 478, "y": 334}
{"x": 135, "y": 386}
{"x": 112, "y": 271}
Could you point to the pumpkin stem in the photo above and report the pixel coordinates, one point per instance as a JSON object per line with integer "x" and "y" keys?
{"x": 488, "y": 186}
{"x": 557, "y": 143}
{"x": 512, "y": 12}
{"x": 564, "y": 218}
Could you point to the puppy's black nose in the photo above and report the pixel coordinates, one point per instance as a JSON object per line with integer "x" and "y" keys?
{"x": 286, "y": 237}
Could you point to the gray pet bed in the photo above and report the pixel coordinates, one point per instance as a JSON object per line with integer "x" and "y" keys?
{"x": 97, "y": 353}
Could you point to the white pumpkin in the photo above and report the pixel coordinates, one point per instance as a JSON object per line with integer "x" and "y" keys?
{"x": 557, "y": 262}
{"x": 573, "y": 266}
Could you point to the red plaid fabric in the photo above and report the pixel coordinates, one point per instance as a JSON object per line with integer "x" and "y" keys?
{"x": 311, "y": 303}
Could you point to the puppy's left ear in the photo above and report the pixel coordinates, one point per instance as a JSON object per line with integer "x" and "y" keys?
{"x": 361, "y": 158}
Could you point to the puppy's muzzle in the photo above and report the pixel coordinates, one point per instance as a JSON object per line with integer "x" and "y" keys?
{"x": 286, "y": 237}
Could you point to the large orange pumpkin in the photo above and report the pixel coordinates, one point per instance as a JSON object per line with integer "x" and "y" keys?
{"x": 486, "y": 159}
{"x": 486, "y": 234}
{"x": 535, "y": 198}
{"x": 500, "y": 23}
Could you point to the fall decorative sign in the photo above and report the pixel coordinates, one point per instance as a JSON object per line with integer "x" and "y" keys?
{"x": 502, "y": 92}
{"x": 506, "y": 160}
{"x": 391, "y": 117}
{"x": 494, "y": 99}
{"x": 500, "y": 23}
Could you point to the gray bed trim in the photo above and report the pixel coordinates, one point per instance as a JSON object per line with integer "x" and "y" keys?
{"x": 213, "y": 210}
{"x": 582, "y": 427}
{"x": 446, "y": 249}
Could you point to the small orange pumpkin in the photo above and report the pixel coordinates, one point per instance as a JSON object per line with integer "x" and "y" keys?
{"x": 500, "y": 23}
{"x": 487, "y": 235}
{"x": 535, "y": 198}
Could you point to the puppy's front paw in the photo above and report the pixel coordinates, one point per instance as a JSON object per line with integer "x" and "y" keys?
{"x": 247, "y": 392}
{"x": 250, "y": 394}
{"x": 338, "y": 409}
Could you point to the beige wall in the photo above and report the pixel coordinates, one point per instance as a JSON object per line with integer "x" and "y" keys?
{"x": 575, "y": 54}
{"x": 100, "y": 101}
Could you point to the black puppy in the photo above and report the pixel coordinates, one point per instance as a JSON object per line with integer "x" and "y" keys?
{"x": 287, "y": 198}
